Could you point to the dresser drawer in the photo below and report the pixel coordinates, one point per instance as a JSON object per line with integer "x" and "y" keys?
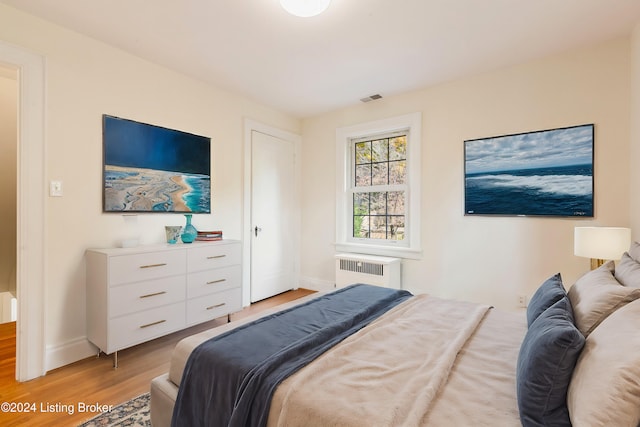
{"x": 213, "y": 256}
{"x": 210, "y": 281}
{"x": 146, "y": 266}
{"x": 141, "y": 296}
{"x": 133, "y": 329}
{"x": 212, "y": 306}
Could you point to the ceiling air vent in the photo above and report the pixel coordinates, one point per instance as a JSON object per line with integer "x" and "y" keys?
{"x": 371, "y": 98}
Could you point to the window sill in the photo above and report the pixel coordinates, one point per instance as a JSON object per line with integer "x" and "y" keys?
{"x": 407, "y": 253}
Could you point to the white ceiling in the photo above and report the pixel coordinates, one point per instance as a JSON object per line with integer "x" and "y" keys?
{"x": 306, "y": 66}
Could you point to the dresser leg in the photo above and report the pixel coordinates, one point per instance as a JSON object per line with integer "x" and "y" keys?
{"x": 229, "y": 318}
{"x": 115, "y": 360}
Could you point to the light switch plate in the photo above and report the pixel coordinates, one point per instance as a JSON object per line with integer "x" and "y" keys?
{"x": 55, "y": 188}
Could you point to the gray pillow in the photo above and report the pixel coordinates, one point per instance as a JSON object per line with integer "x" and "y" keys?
{"x": 596, "y": 295}
{"x": 634, "y": 251}
{"x": 546, "y": 361}
{"x": 550, "y": 292}
{"x": 628, "y": 271}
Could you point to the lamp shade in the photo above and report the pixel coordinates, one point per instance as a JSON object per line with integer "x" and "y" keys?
{"x": 305, "y": 8}
{"x": 601, "y": 242}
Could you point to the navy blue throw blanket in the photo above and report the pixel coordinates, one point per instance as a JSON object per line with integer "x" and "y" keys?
{"x": 229, "y": 380}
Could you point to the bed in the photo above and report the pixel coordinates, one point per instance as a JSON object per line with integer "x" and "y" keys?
{"x": 570, "y": 358}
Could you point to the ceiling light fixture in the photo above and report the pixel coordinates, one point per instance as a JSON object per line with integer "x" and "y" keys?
{"x": 305, "y": 8}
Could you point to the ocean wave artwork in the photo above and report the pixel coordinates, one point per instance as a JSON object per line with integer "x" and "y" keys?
{"x": 546, "y": 173}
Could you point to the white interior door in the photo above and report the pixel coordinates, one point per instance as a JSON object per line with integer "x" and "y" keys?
{"x": 272, "y": 215}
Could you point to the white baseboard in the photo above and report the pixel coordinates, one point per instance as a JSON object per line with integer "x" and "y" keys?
{"x": 69, "y": 352}
{"x": 316, "y": 284}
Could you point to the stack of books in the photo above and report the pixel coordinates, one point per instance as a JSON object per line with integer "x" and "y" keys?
{"x": 209, "y": 236}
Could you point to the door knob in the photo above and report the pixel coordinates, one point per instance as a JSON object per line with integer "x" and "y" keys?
{"x": 257, "y": 230}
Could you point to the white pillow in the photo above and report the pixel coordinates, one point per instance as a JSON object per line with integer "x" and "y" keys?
{"x": 605, "y": 386}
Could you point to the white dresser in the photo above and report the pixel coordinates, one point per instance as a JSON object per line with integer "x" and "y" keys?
{"x": 138, "y": 294}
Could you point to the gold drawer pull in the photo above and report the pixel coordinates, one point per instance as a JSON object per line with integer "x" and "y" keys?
{"x": 216, "y": 306}
{"x": 153, "y": 295}
{"x": 152, "y": 324}
{"x": 216, "y": 256}
{"x": 153, "y": 265}
{"x": 216, "y": 281}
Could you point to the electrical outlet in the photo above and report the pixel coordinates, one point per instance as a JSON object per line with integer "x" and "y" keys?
{"x": 522, "y": 301}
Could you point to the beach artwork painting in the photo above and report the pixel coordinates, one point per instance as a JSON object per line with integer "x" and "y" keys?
{"x": 542, "y": 173}
{"x": 150, "y": 168}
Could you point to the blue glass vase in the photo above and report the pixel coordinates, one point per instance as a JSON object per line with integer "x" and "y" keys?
{"x": 189, "y": 232}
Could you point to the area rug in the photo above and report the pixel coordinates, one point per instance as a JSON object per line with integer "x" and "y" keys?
{"x": 135, "y": 412}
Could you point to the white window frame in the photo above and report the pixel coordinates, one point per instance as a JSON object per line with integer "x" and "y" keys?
{"x": 410, "y": 246}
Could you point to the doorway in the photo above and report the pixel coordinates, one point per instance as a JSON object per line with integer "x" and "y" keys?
{"x": 271, "y": 212}
{"x": 30, "y": 277}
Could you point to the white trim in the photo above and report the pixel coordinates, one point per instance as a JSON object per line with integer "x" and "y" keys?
{"x": 413, "y": 247}
{"x": 316, "y": 284}
{"x": 31, "y": 241}
{"x": 249, "y": 126}
{"x": 69, "y": 352}
{"x": 368, "y": 249}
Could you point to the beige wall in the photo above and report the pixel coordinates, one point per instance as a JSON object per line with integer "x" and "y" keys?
{"x": 8, "y": 164}
{"x": 484, "y": 259}
{"x": 85, "y": 79}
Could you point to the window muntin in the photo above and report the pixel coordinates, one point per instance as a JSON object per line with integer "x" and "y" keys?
{"x": 379, "y": 188}
{"x": 380, "y": 161}
{"x": 379, "y": 215}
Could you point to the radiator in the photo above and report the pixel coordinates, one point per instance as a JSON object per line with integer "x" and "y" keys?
{"x": 369, "y": 269}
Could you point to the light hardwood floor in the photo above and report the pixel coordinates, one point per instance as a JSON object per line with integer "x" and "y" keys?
{"x": 94, "y": 380}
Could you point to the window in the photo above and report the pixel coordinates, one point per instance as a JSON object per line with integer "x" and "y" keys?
{"x": 378, "y": 195}
{"x": 379, "y": 171}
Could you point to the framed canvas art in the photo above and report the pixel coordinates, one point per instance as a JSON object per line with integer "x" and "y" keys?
{"x": 150, "y": 168}
{"x": 541, "y": 173}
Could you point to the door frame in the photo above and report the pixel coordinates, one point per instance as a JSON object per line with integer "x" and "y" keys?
{"x": 31, "y": 239}
{"x": 247, "y": 230}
